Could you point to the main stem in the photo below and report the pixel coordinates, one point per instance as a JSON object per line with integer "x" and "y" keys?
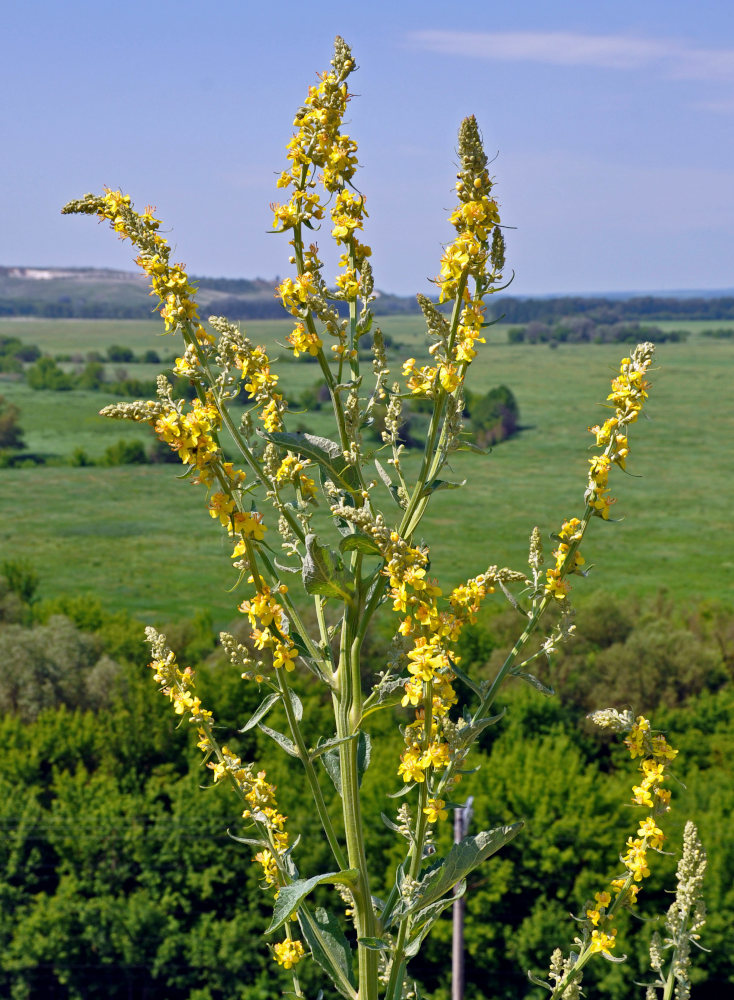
{"x": 348, "y": 713}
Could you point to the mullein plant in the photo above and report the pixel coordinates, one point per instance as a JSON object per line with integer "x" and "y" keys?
{"x": 374, "y": 558}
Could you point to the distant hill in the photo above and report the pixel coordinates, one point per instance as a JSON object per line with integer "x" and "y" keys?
{"x": 98, "y": 293}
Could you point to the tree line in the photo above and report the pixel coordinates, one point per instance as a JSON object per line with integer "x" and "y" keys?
{"x": 118, "y": 877}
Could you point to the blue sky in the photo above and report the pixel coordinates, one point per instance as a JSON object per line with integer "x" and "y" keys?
{"x": 612, "y": 126}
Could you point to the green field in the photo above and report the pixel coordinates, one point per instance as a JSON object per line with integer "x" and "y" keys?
{"x": 140, "y": 539}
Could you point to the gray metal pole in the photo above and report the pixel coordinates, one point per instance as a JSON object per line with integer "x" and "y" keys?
{"x": 462, "y": 819}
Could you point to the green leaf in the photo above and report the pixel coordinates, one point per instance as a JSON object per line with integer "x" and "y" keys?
{"x": 373, "y": 944}
{"x": 440, "y": 484}
{"x": 329, "y": 948}
{"x": 359, "y": 543}
{"x": 330, "y": 759}
{"x": 403, "y": 791}
{"x": 281, "y": 739}
{"x": 291, "y": 896}
{"x": 287, "y": 569}
{"x": 260, "y": 712}
{"x": 534, "y": 682}
{"x": 383, "y": 474}
{"x": 323, "y": 572}
{"x": 250, "y": 841}
{"x": 422, "y": 922}
{"x": 364, "y": 753}
{"x": 323, "y": 746}
{"x": 463, "y": 858}
{"x": 470, "y": 446}
{"x": 465, "y": 679}
{"x": 467, "y": 734}
{"x": 296, "y": 703}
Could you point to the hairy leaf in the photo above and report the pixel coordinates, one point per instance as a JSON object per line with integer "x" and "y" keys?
{"x": 260, "y": 712}
{"x": 461, "y": 859}
{"x": 329, "y": 948}
{"x": 291, "y": 896}
{"x": 281, "y": 739}
{"x": 323, "y": 572}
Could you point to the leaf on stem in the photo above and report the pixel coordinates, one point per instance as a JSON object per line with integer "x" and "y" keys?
{"x": 534, "y": 682}
{"x": 359, "y": 543}
{"x": 467, "y": 734}
{"x": 323, "y": 572}
{"x": 329, "y": 948}
{"x": 331, "y": 760}
{"x": 281, "y": 739}
{"x": 422, "y": 922}
{"x": 440, "y": 484}
{"x": 463, "y": 858}
{"x": 260, "y": 712}
{"x": 373, "y": 944}
{"x": 291, "y": 896}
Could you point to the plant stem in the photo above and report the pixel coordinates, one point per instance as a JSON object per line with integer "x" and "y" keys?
{"x": 311, "y": 776}
{"x": 348, "y": 713}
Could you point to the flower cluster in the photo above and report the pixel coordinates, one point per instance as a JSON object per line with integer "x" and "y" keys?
{"x": 475, "y": 219}
{"x": 191, "y": 434}
{"x": 169, "y": 282}
{"x": 304, "y": 341}
{"x": 629, "y": 391}
{"x": 655, "y": 752}
{"x": 261, "y": 383}
{"x": 270, "y": 625}
{"x": 254, "y": 789}
{"x": 685, "y": 918}
{"x": 175, "y": 683}
{"x": 568, "y": 558}
{"x": 320, "y": 152}
{"x": 288, "y": 953}
{"x": 478, "y": 243}
{"x": 291, "y": 470}
{"x": 432, "y": 630}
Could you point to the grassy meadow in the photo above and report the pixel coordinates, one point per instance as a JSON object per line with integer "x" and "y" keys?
{"x": 140, "y": 539}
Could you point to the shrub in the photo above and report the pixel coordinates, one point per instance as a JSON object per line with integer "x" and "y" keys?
{"x": 125, "y": 453}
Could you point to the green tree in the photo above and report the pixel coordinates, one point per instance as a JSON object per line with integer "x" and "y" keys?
{"x": 46, "y": 374}
{"x": 11, "y": 435}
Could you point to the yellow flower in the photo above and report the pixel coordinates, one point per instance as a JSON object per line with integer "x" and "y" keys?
{"x": 410, "y": 767}
{"x": 602, "y": 942}
{"x": 435, "y": 810}
{"x": 288, "y": 953}
{"x": 284, "y": 656}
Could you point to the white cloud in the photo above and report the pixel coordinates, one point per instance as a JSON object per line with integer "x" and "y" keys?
{"x": 565, "y": 48}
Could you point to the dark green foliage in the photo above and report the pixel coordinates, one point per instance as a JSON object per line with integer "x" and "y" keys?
{"x": 51, "y": 665}
{"x": 21, "y": 578}
{"x": 720, "y": 333}
{"x": 13, "y": 353}
{"x": 46, "y": 374}
{"x": 641, "y": 308}
{"x": 125, "y": 453}
{"x": 117, "y": 877}
{"x": 92, "y": 377}
{"x": 80, "y": 459}
{"x": 121, "y": 355}
{"x": 493, "y": 416}
{"x": 583, "y": 330}
{"x": 11, "y": 434}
